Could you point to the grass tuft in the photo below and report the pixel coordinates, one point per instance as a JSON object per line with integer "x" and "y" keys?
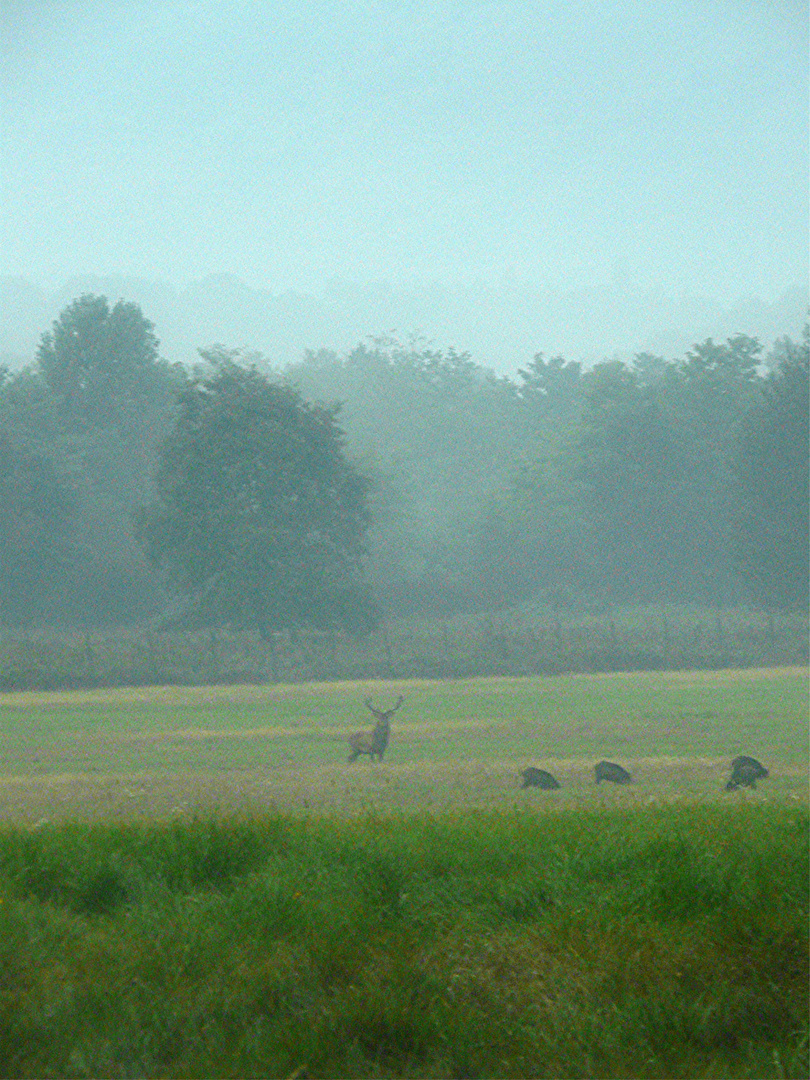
{"x": 648, "y": 942}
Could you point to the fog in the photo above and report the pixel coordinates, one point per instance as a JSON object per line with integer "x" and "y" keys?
{"x": 501, "y": 325}
{"x": 528, "y": 281}
{"x": 501, "y": 177}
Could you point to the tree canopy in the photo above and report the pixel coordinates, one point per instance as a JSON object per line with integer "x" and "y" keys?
{"x": 83, "y": 423}
{"x": 771, "y": 466}
{"x": 443, "y": 487}
{"x": 259, "y": 516}
{"x": 99, "y": 361}
{"x": 37, "y": 510}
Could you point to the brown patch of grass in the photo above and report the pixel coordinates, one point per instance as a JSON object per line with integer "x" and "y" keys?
{"x": 423, "y": 730}
{"x": 249, "y": 693}
{"x": 458, "y": 745}
{"x": 726, "y": 675}
{"x": 252, "y": 693}
{"x": 350, "y": 789}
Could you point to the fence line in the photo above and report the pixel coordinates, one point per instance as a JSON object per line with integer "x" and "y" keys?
{"x": 488, "y": 645}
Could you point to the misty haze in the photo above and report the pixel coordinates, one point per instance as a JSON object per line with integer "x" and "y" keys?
{"x": 560, "y": 306}
{"x": 404, "y": 539}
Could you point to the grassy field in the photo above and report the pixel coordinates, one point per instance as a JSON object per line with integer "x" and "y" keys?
{"x": 195, "y": 883}
{"x": 152, "y": 752}
{"x": 665, "y": 941}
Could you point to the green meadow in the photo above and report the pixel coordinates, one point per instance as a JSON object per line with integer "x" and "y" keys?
{"x": 194, "y": 882}
{"x": 153, "y": 752}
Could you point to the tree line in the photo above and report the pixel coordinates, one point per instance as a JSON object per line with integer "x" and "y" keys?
{"x": 395, "y": 479}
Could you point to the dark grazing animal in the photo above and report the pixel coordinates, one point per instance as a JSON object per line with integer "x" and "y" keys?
{"x": 745, "y": 771}
{"x": 608, "y": 770}
{"x": 538, "y": 778}
{"x": 374, "y": 742}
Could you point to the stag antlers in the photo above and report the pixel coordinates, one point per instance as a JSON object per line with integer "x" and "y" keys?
{"x": 385, "y": 715}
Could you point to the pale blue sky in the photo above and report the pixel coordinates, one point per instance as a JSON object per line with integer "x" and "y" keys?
{"x": 290, "y": 144}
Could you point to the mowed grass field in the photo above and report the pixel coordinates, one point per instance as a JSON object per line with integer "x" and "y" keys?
{"x": 152, "y": 752}
{"x": 196, "y": 883}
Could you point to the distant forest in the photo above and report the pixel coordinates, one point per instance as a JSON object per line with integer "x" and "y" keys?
{"x": 395, "y": 480}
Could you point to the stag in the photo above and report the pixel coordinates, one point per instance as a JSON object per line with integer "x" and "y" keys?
{"x": 374, "y": 742}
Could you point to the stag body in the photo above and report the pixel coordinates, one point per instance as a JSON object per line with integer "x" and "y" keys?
{"x": 374, "y": 742}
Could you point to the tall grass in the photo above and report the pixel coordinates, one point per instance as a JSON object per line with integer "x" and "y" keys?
{"x": 513, "y": 643}
{"x": 667, "y": 942}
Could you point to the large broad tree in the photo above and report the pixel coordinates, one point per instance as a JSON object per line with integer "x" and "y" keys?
{"x": 259, "y": 517}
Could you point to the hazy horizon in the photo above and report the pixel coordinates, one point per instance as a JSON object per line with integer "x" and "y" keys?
{"x": 305, "y": 147}
{"x": 501, "y": 327}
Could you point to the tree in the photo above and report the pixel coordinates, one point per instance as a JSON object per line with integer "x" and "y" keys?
{"x": 554, "y": 389}
{"x": 718, "y": 383}
{"x": 440, "y": 435}
{"x": 259, "y": 517}
{"x": 535, "y": 537}
{"x": 100, "y": 362}
{"x": 112, "y": 390}
{"x": 37, "y": 510}
{"x": 737, "y": 360}
{"x": 772, "y": 469}
{"x": 98, "y": 402}
{"x": 633, "y": 472}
